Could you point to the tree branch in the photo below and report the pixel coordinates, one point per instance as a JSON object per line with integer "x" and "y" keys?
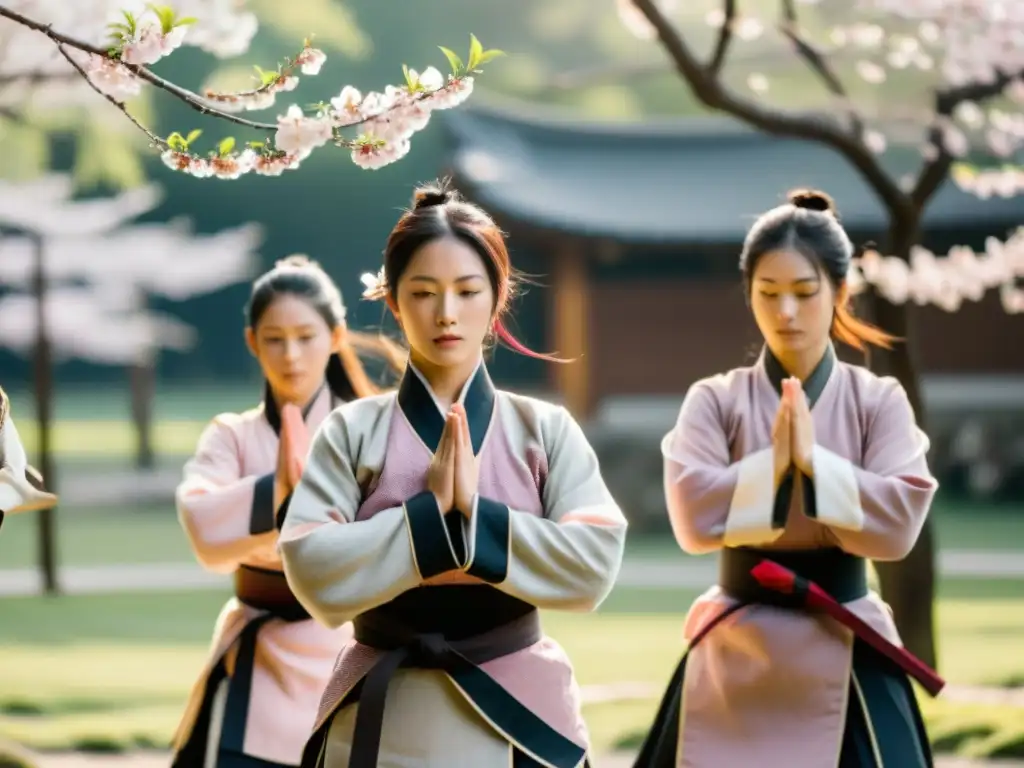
{"x": 948, "y": 99}
{"x": 35, "y": 78}
{"x": 934, "y": 172}
{"x": 789, "y": 28}
{"x": 810, "y": 127}
{"x": 192, "y": 99}
{"x": 119, "y": 104}
{"x": 8, "y": 113}
{"x": 724, "y": 39}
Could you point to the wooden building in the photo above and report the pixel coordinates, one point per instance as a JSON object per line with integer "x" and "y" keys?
{"x": 637, "y": 229}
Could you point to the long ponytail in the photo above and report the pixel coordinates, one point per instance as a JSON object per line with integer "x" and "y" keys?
{"x": 346, "y": 375}
{"x": 851, "y": 330}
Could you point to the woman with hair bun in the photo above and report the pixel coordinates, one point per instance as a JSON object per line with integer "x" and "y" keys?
{"x": 796, "y": 470}
{"x": 255, "y": 702}
{"x": 439, "y": 519}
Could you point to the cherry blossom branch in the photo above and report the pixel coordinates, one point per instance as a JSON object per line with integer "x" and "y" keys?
{"x": 156, "y": 140}
{"x": 724, "y": 39}
{"x": 583, "y": 77}
{"x": 937, "y": 167}
{"x": 789, "y": 28}
{"x": 35, "y": 78}
{"x": 388, "y": 119}
{"x": 946, "y": 281}
{"x": 10, "y": 114}
{"x": 190, "y": 98}
{"x": 934, "y": 171}
{"x": 811, "y": 127}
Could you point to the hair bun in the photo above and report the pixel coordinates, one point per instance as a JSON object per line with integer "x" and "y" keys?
{"x": 295, "y": 261}
{"x": 812, "y": 200}
{"x": 429, "y": 197}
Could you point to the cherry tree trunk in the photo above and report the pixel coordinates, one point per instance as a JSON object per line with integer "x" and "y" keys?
{"x": 909, "y": 584}
{"x": 142, "y": 382}
{"x": 43, "y": 374}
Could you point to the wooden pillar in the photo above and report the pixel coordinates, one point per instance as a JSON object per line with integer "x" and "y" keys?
{"x": 570, "y": 320}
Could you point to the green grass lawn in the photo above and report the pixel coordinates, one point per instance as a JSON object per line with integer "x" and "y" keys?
{"x": 112, "y": 671}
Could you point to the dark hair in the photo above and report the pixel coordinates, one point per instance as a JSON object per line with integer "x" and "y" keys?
{"x": 302, "y": 277}
{"x": 809, "y": 225}
{"x": 4, "y": 407}
{"x": 437, "y": 212}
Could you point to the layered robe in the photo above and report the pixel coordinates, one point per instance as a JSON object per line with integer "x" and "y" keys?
{"x": 258, "y": 694}
{"x": 775, "y": 685}
{"x": 21, "y": 488}
{"x": 445, "y": 608}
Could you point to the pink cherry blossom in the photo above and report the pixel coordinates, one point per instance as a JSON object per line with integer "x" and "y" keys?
{"x": 275, "y": 165}
{"x": 299, "y": 134}
{"x": 373, "y": 156}
{"x": 150, "y": 44}
{"x": 111, "y": 77}
{"x": 946, "y": 281}
{"x": 311, "y": 60}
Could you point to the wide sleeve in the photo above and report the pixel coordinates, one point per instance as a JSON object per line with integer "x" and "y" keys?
{"x": 340, "y": 567}
{"x": 877, "y": 510}
{"x": 569, "y": 558}
{"x": 712, "y": 501}
{"x": 17, "y": 492}
{"x": 227, "y": 516}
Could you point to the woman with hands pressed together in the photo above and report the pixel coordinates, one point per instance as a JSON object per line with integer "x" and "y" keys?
{"x": 255, "y": 702}
{"x": 796, "y": 470}
{"x": 438, "y": 519}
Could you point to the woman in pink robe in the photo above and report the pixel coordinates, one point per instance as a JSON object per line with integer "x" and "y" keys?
{"x": 255, "y": 702}
{"x": 438, "y": 519}
{"x": 799, "y": 464}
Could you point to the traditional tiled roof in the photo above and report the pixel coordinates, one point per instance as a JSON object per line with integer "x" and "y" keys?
{"x": 696, "y": 180}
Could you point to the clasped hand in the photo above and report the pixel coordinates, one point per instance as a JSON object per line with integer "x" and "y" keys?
{"x": 793, "y": 431}
{"x": 291, "y": 452}
{"x": 453, "y": 474}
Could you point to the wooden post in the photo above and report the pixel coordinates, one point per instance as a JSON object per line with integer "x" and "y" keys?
{"x": 570, "y": 317}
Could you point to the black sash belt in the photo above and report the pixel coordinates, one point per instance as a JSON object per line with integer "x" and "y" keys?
{"x": 483, "y": 624}
{"x": 840, "y": 574}
{"x": 818, "y": 581}
{"x": 268, "y": 591}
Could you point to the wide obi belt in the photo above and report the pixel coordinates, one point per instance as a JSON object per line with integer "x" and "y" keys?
{"x": 266, "y": 591}
{"x": 813, "y": 580}
{"x": 452, "y": 629}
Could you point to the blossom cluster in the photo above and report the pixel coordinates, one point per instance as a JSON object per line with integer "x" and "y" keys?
{"x": 139, "y": 38}
{"x": 953, "y": 44}
{"x": 388, "y": 121}
{"x": 29, "y": 70}
{"x": 946, "y": 281}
